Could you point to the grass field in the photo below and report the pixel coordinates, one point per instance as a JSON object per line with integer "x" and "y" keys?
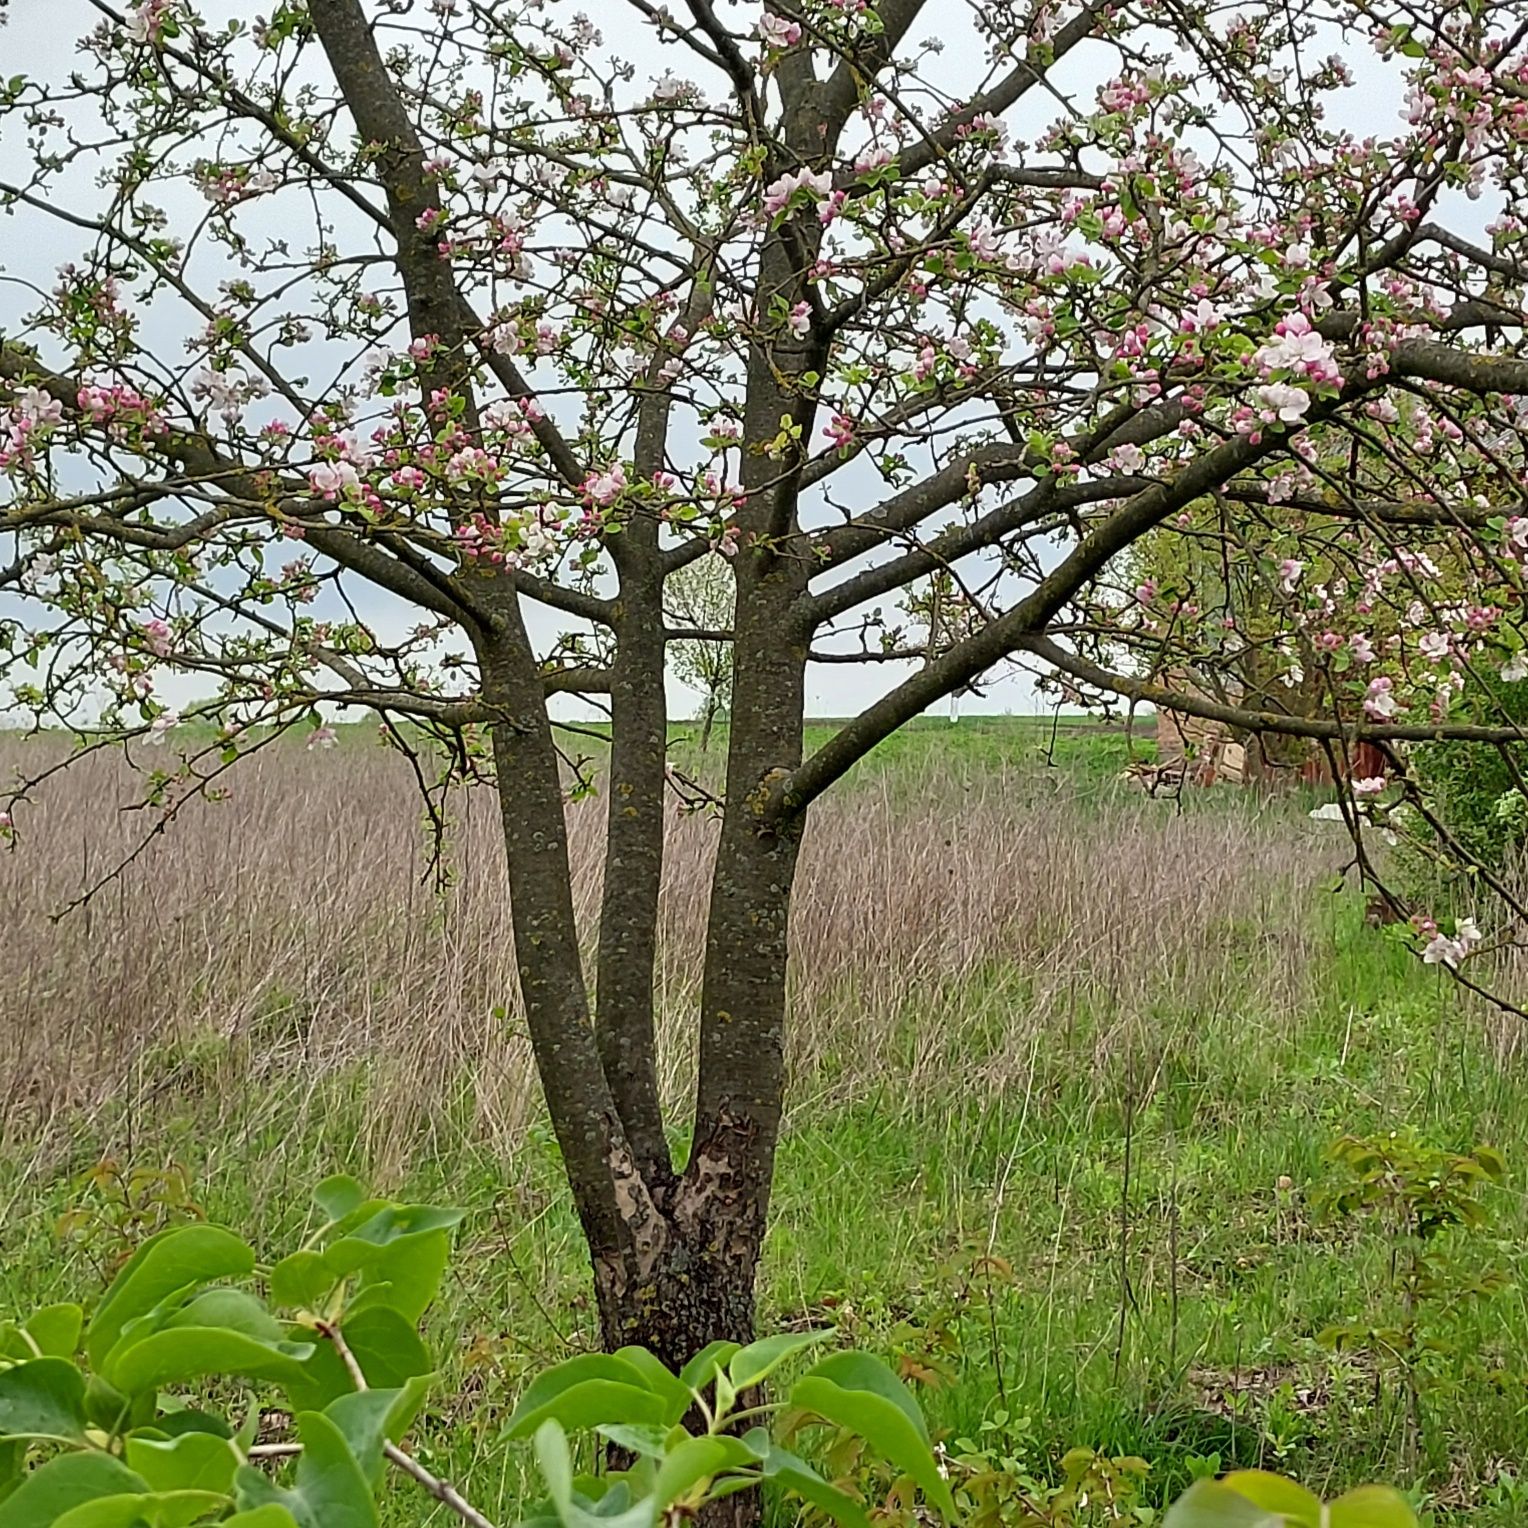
{"x": 1013, "y": 977}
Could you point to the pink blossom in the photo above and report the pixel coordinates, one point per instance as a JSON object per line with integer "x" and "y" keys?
{"x": 1204, "y": 317}
{"x": 39, "y": 409}
{"x": 1361, "y": 648}
{"x": 1446, "y": 951}
{"x": 1516, "y": 667}
{"x": 156, "y": 637}
{"x": 1434, "y": 646}
{"x": 777, "y": 32}
{"x": 322, "y": 737}
{"x": 840, "y": 430}
{"x": 1380, "y": 704}
{"x": 1298, "y": 348}
{"x": 778, "y": 195}
{"x": 331, "y": 479}
{"x": 604, "y": 488}
{"x": 1289, "y": 574}
{"x": 1369, "y": 785}
{"x": 801, "y": 320}
{"x": 161, "y": 727}
{"x": 146, "y": 19}
{"x": 1284, "y": 402}
{"x": 1146, "y": 591}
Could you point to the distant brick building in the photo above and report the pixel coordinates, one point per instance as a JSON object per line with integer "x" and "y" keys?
{"x": 1210, "y": 751}
{"x": 1206, "y": 750}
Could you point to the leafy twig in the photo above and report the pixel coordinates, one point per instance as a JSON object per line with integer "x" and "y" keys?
{"x": 441, "y": 1490}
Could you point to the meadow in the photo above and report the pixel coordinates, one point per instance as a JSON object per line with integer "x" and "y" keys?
{"x": 1067, "y": 1067}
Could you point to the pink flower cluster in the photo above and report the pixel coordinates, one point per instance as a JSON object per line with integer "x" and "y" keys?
{"x": 1301, "y": 350}
{"x": 121, "y": 409}
{"x": 777, "y": 32}
{"x": 779, "y": 194}
{"x": 30, "y": 418}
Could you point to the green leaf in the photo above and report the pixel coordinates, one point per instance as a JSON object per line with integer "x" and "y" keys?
{"x": 170, "y": 1260}
{"x": 301, "y": 1280}
{"x": 193, "y": 1352}
{"x": 697, "y": 1460}
{"x": 234, "y": 1309}
{"x": 885, "y": 1426}
{"x": 394, "y": 1221}
{"x": 105, "y": 1405}
{"x": 386, "y": 1347}
{"x": 176, "y": 1424}
{"x": 760, "y": 1359}
{"x": 1371, "y": 1507}
{"x": 798, "y": 1477}
{"x": 617, "y": 1373}
{"x": 368, "y": 1417}
{"x": 1213, "y": 1504}
{"x": 15, "y": 1344}
{"x": 702, "y": 1369}
{"x": 163, "y": 1509}
{"x": 1274, "y": 1493}
{"x": 646, "y": 1441}
{"x": 661, "y": 1380}
{"x": 592, "y": 1403}
{"x": 859, "y": 1371}
{"x": 556, "y": 1464}
{"x": 44, "y": 1398}
{"x": 55, "y": 1329}
{"x": 404, "y": 1275}
{"x": 330, "y": 1489}
{"x": 195, "y": 1461}
{"x": 65, "y": 1482}
{"x": 271, "y": 1516}
{"x": 338, "y": 1196}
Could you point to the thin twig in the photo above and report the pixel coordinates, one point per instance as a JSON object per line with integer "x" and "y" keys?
{"x": 441, "y": 1490}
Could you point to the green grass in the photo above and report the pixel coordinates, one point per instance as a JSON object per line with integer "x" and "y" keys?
{"x": 986, "y": 1239}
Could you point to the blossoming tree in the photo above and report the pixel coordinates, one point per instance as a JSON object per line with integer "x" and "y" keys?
{"x": 395, "y": 339}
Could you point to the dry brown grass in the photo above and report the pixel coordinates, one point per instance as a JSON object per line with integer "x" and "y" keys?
{"x": 269, "y": 942}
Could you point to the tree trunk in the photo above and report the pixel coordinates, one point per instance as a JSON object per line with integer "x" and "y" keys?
{"x": 698, "y": 1289}
{"x": 691, "y": 1295}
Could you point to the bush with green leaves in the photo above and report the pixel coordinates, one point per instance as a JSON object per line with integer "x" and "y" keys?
{"x": 1425, "y": 1203}
{"x": 1477, "y": 789}
{"x": 147, "y": 1414}
{"x": 107, "y": 1423}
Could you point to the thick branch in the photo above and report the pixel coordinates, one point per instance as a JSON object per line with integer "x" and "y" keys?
{"x": 969, "y": 659}
{"x": 1284, "y": 723}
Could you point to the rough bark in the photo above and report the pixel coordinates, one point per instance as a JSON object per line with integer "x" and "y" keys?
{"x": 614, "y": 1204}
{"x": 628, "y": 935}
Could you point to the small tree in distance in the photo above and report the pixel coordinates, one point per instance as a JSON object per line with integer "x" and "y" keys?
{"x": 700, "y": 601}
{"x": 394, "y": 337}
